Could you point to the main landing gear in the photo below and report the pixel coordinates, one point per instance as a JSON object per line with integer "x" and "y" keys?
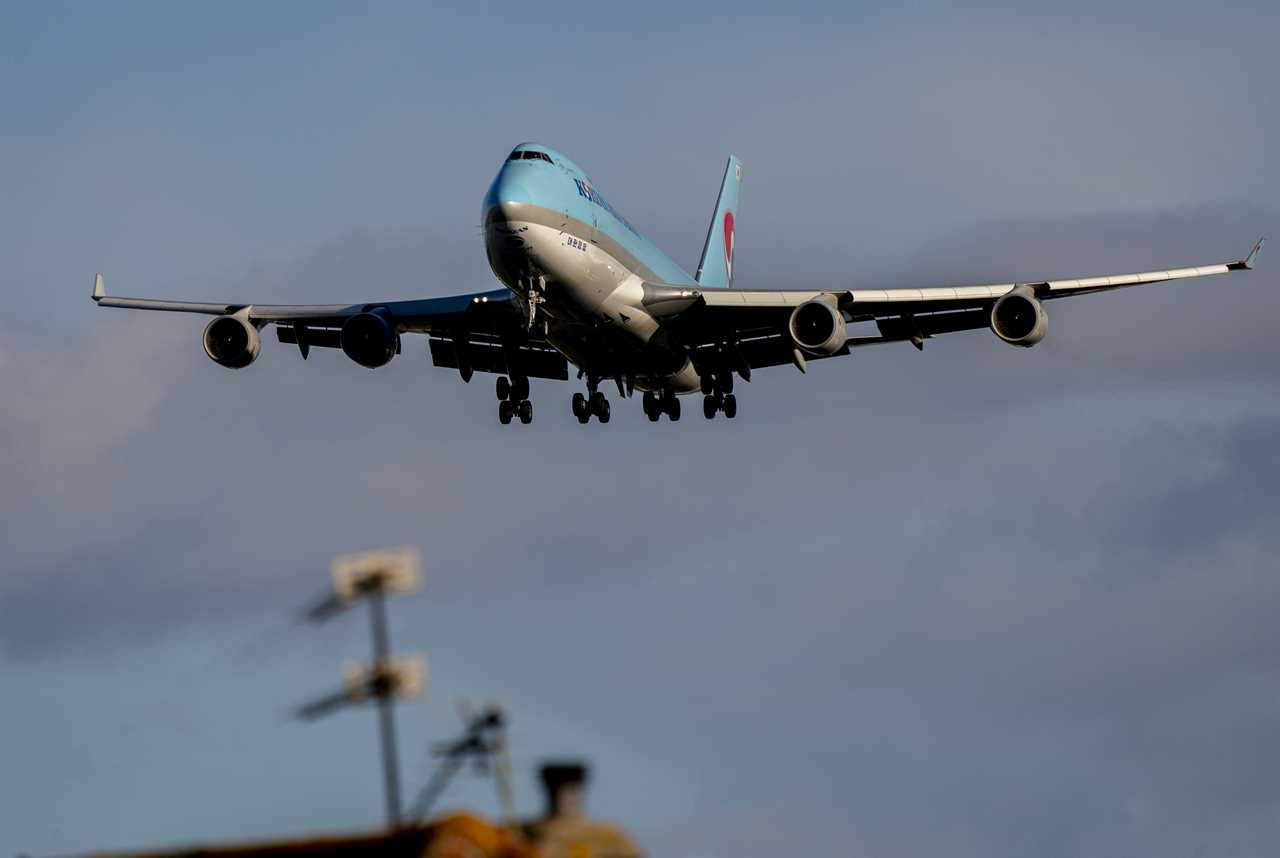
{"x": 585, "y": 406}
{"x": 658, "y": 404}
{"x": 717, "y": 395}
{"x": 513, "y": 400}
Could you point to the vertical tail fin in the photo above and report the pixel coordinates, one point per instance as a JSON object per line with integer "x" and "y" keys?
{"x": 716, "y": 267}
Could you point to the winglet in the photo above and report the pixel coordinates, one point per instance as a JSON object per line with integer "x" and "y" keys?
{"x": 99, "y": 287}
{"x": 1249, "y": 261}
{"x": 1252, "y": 258}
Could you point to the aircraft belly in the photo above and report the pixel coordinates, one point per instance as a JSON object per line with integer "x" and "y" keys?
{"x": 593, "y": 305}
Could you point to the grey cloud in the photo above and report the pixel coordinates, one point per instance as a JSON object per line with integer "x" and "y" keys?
{"x": 1031, "y": 613}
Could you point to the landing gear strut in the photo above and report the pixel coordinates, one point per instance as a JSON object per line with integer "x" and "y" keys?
{"x": 513, "y": 400}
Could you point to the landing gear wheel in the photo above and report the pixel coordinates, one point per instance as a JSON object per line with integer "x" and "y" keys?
{"x": 724, "y": 381}
{"x": 603, "y": 414}
{"x": 598, "y": 403}
{"x": 709, "y": 406}
{"x": 580, "y": 409}
{"x": 652, "y": 406}
{"x": 707, "y": 383}
{"x": 525, "y": 410}
{"x": 506, "y": 410}
{"x": 730, "y": 407}
{"x": 503, "y": 388}
{"x": 673, "y": 408}
{"x": 520, "y": 388}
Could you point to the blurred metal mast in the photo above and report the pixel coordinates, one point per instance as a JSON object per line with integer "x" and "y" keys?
{"x": 383, "y": 693}
{"x": 484, "y": 743}
{"x": 371, "y": 576}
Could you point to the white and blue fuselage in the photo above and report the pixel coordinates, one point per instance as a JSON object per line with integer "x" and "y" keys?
{"x": 556, "y": 242}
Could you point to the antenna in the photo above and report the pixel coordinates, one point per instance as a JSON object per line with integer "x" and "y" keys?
{"x": 484, "y": 742}
{"x": 371, "y": 576}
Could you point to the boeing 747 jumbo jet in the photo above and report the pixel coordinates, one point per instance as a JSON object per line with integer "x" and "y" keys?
{"x": 582, "y": 286}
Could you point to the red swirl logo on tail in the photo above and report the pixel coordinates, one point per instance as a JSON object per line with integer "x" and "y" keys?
{"x": 728, "y": 244}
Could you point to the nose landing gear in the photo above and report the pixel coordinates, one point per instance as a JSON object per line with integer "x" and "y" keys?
{"x": 513, "y": 400}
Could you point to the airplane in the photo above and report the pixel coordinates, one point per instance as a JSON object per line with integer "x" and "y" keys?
{"x": 582, "y": 286}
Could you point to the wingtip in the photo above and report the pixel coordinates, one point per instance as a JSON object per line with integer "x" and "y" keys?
{"x": 1249, "y": 261}
{"x": 1252, "y": 258}
{"x": 99, "y": 287}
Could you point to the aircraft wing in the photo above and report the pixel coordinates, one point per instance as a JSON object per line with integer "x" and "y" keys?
{"x": 479, "y": 331}
{"x": 757, "y": 319}
{"x": 423, "y": 315}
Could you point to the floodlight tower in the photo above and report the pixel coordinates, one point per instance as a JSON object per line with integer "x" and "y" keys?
{"x": 371, "y": 576}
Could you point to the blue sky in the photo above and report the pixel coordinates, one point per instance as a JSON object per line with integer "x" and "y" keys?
{"x": 975, "y": 601}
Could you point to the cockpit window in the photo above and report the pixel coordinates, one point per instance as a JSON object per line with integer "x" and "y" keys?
{"x": 526, "y": 155}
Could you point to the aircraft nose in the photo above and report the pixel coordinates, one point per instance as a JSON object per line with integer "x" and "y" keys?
{"x": 507, "y": 197}
{"x": 512, "y": 204}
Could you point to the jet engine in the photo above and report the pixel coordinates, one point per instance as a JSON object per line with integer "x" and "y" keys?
{"x": 818, "y": 327}
{"x": 232, "y": 342}
{"x": 369, "y": 340}
{"x": 1019, "y": 319}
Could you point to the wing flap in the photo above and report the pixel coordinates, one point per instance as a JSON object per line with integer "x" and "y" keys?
{"x": 912, "y": 327}
{"x": 777, "y": 349}
{"x": 489, "y": 357}
{"x": 321, "y": 338}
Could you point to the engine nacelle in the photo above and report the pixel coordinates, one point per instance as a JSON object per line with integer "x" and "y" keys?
{"x": 369, "y": 340}
{"x": 1019, "y": 319}
{"x": 818, "y": 327}
{"x": 232, "y": 342}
